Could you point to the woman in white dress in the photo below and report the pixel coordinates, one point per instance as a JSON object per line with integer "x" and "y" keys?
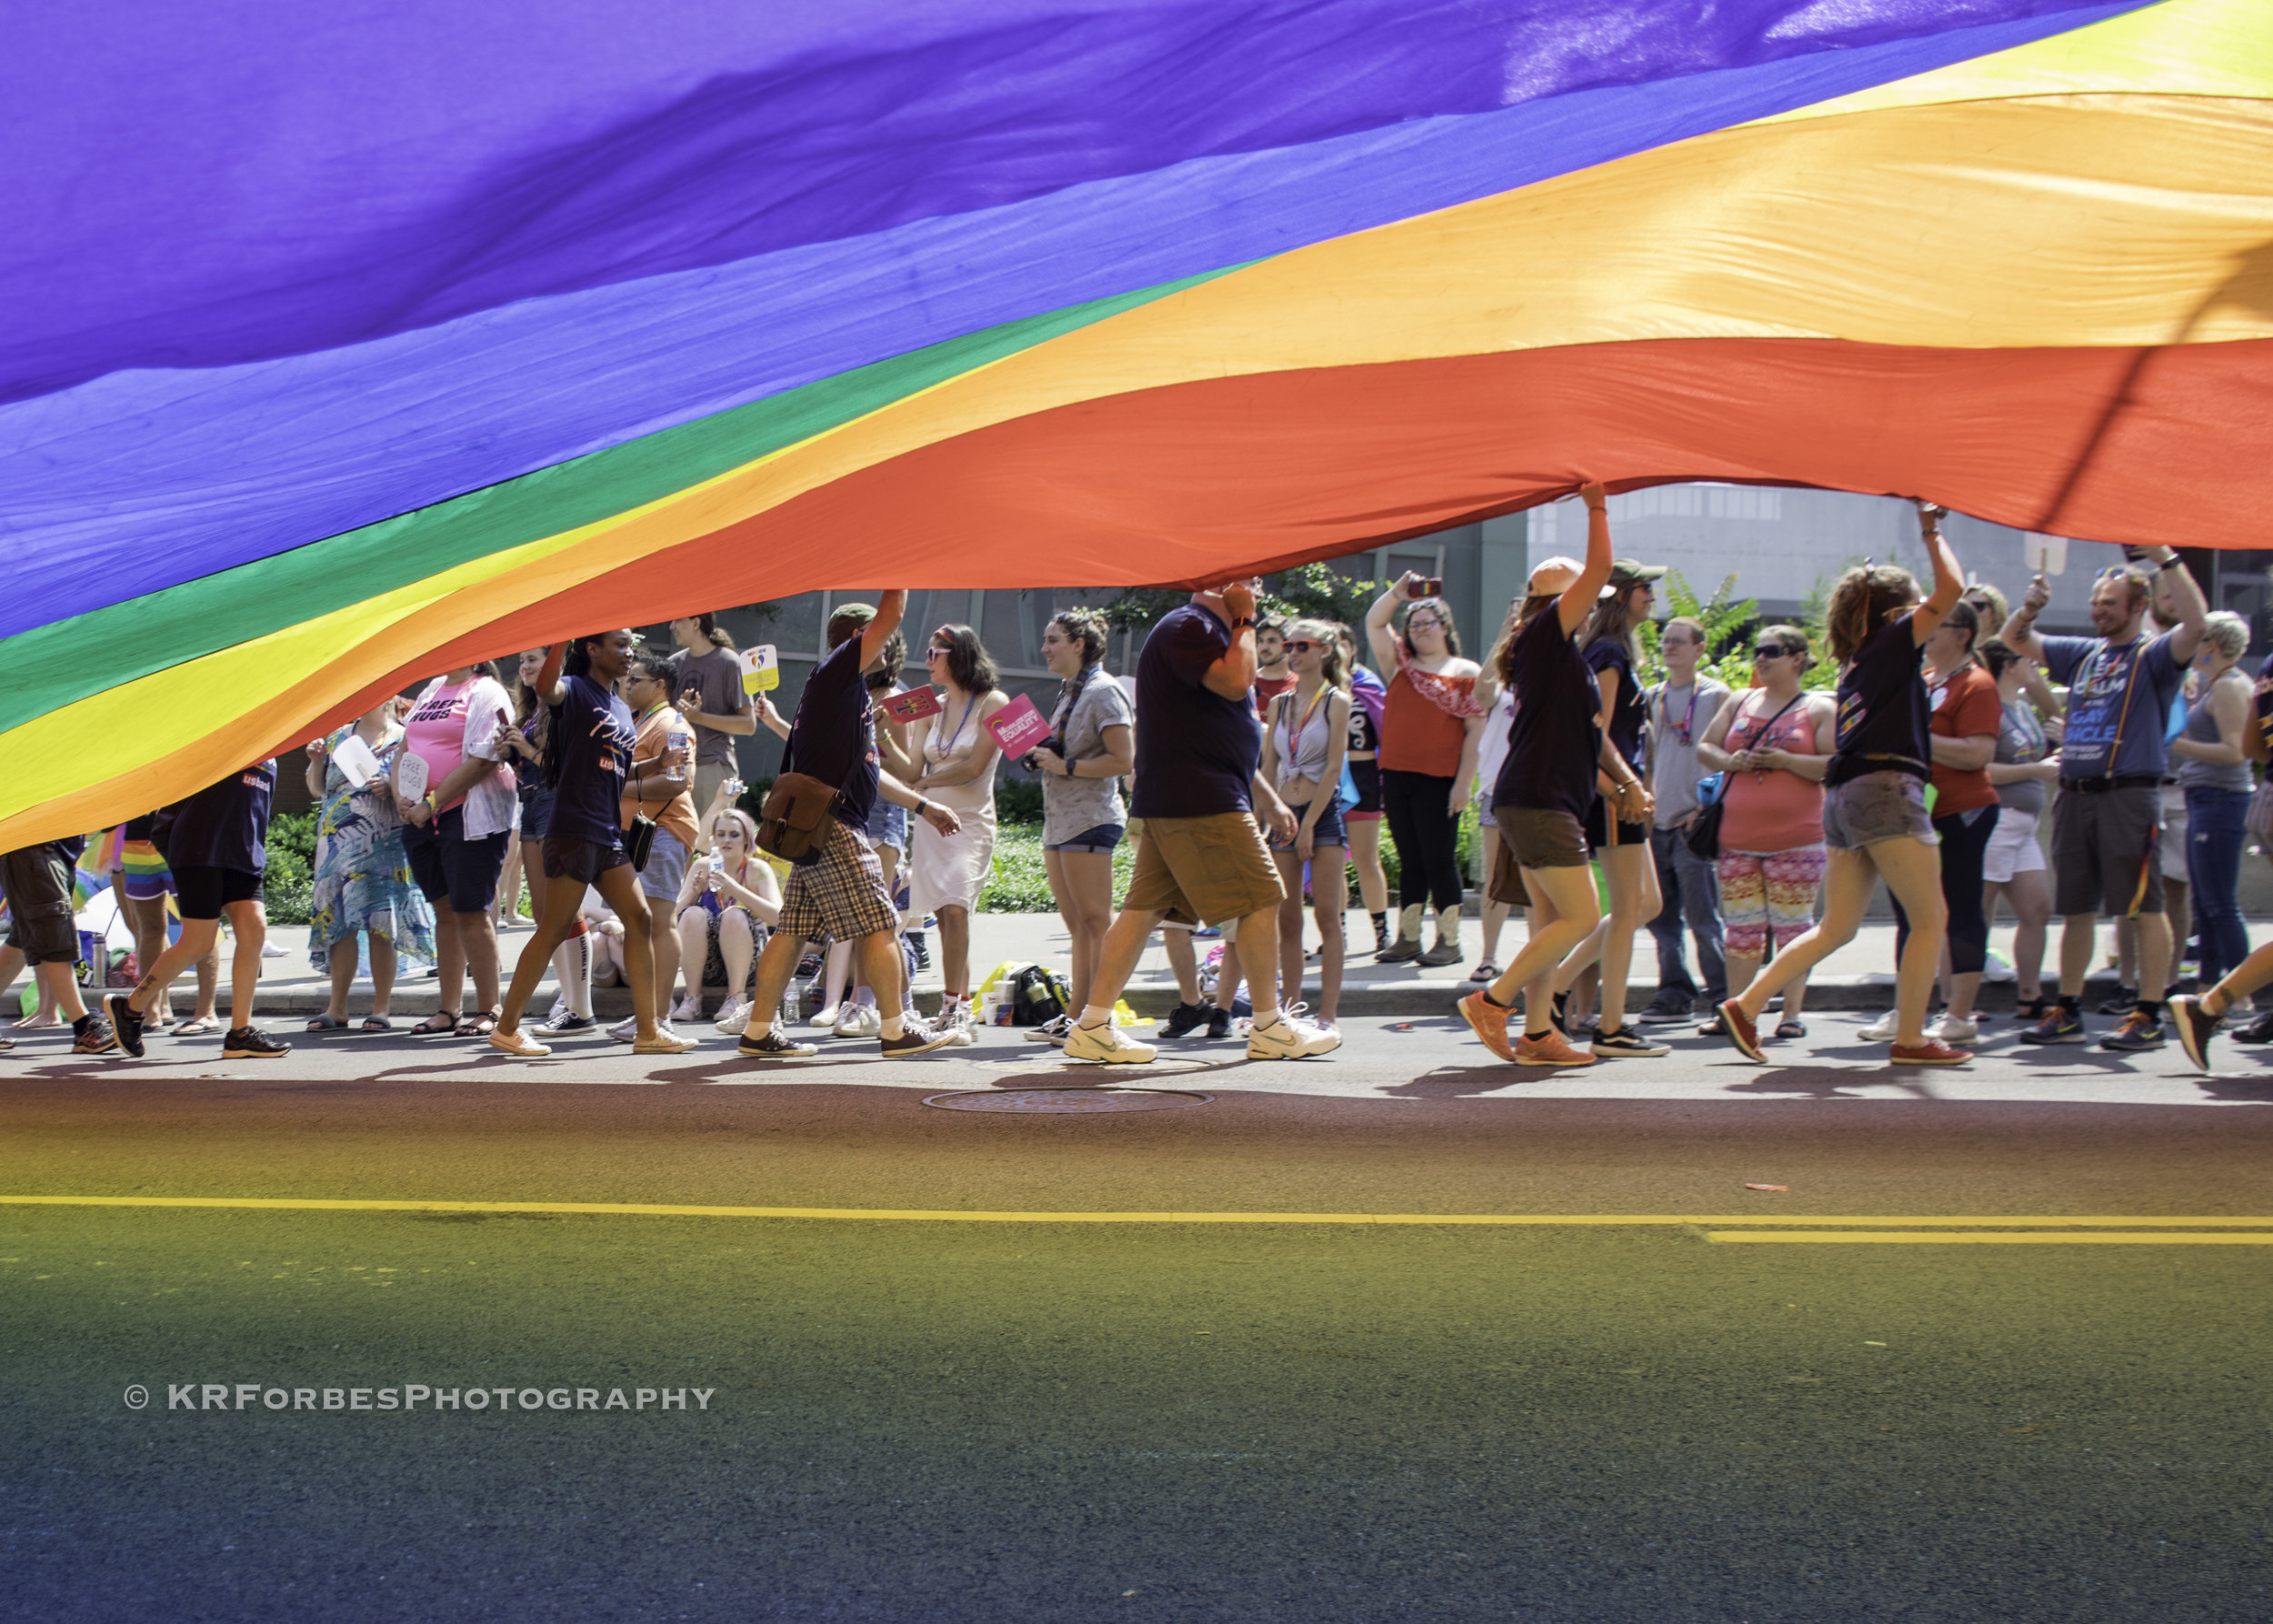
{"x": 945, "y": 873}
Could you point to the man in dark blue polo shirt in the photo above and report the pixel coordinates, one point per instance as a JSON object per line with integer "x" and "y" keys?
{"x": 1200, "y": 855}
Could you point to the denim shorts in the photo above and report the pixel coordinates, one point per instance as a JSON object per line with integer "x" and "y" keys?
{"x": 1329, "y": 830}
{"x": 1887, "y": 805}
{"x": 887, "y": 825}
{"x": 1103, "y": 836}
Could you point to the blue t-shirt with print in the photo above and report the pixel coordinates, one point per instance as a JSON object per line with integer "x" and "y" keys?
{"x": 2099, "y": 674}
{"x": 592, "y": 731}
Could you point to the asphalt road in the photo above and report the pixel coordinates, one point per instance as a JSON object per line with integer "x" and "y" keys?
{"x": 931, "y": 1420}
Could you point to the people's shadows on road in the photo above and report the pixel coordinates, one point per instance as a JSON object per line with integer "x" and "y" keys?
{"x": 1470, "y": 1082}
{"x": 1825, "y": 1082}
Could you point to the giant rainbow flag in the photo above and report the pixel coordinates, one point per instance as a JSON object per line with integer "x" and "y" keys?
{"x": 341, "y": 343}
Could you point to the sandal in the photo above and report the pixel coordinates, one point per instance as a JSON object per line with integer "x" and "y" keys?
{"x": 196, "y": 1028}
{"x": 2033, "y": 1011}
{"x": 1486, "y": 971}
{"x": 1789, "y": 1029}
{"x": 324, "y": 1023}
{"x": 378, "y": 1023}
{"x": 435, "y": 1024}
{"x": 479, "y": 1025}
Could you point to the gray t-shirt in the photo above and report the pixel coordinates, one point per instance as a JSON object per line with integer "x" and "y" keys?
{"x": 1073, "y": 805}
{"x": 1677, "y": 719}
{"x": 718, "y": 676}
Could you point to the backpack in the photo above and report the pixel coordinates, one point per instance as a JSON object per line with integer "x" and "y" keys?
{"x": 1036, "y": 996}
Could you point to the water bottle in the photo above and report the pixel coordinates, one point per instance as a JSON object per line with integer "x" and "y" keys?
{"x": 676, "y": 740}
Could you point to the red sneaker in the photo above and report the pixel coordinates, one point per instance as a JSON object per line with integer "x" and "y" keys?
{"x": 1741, "y": 1031}
{"x": 1932, "y": 1052}
{"x": 1549, "y": 1048}
{"x": 1488, "y": 1021}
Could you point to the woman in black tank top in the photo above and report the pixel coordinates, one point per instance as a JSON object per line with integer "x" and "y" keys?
{"x": 1874, "y": 811}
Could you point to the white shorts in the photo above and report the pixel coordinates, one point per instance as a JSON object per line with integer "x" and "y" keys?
{"x": 2174, "y": 833}
{"x": 2013, "y": 847}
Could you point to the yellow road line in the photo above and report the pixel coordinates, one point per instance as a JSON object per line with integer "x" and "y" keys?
{"x": 2165, "y": 1238}
{"x": 961, "y": 1215}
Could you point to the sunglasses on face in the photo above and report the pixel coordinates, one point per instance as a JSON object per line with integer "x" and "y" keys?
{"x": 934, "y": 652}
{"x": 1303, "y": 646}
{"x": 1770, "y": 651}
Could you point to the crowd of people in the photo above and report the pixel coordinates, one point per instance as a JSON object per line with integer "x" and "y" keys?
{"x": 1261, "y": 760}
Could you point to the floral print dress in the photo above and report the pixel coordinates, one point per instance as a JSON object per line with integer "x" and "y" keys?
{"x": 363, "y": 880}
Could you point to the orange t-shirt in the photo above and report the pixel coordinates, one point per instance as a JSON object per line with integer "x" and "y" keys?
{"x": 678, "y": 813}
{"x": 1964, "y": 707}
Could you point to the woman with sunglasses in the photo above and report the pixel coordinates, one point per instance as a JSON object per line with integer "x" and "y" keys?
{"x": 1430, "y": 729}
{"x": 1304, "y": 742}
{"x": 1874, "y": 818}
{"x": 728, "y": 903}
{"x": 1363, "y": 819}
{"x": 946, "y": 873}
{"x": 1091, "y": 747}
{"x": 1772, "y": 744}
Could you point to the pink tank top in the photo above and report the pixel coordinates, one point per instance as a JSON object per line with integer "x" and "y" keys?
{"x": 1771, "y": 811}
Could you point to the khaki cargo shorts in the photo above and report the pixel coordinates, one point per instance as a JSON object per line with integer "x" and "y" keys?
{"x": 1203, "y": 869}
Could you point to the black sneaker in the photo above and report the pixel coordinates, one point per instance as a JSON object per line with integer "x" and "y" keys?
{"x": 1218, "y": 1024}
{"x": 2259, "y": 1030}
{"x": 94, "y": 1036}
{"x": 1560, "y": 1015}
{"x": 245, "y": 1043}
{"x": 2138, "y": 1031}
{"x": 1663, "y": 1015}
{"x": 916, "y": 1038}
{"x": 770, "y": 1045}
{"x": 126, "y": 1024}
{"x": 567, "y": 1024}
{"x": 1625, "y": 1044}
{"x": 1183, "y": 1018}
{"x": 2126, "y": 999}
{"x": 2194, "y": 1028}
{"x": 2063, "y": 1025}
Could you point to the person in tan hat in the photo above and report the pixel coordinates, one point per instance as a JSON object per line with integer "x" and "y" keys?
{"x": 1611, "y": 645}
{"x": 1546, "y": 784}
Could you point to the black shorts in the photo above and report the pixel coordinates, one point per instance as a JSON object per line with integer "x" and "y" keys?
{"x": 450, "y": 868}
{"x": 38, "y": 880}
{"x": 1367, "y": 776}
{"x": 1598, "y": 832}
{"x": 203, "y": 893}
{"x": 567, "y": 857}
{"x": 2105, "y": 850}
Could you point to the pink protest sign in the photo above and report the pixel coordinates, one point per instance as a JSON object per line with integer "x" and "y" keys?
{"x": 1017, "y": 727}
{"x": 913, "y": 706}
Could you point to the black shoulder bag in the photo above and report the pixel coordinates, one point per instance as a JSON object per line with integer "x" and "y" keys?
{"x": 1704, "y": 834}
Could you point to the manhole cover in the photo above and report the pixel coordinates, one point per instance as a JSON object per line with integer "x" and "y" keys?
{"x": 1066, "y": 1102}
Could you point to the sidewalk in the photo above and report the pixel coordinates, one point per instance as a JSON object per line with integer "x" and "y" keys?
{"x": 1858, "y": 977}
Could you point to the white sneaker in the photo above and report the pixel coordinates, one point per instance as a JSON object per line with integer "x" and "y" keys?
{"x": 734, "y": 1015}
{"x": 1105, "y": 1044}
{"x": 957, "y": 1024}
{"x": 1997, "y": 967}
{"x": 1953, "y": 1031}
{"x": 270, "y": 950}
{"x": 858, "y": 1020}
{"x": 688, "y": 1007}
{"x": 626, "y": 1030}
{"x": 1290, "y": 1037}
{"x": 1882, "y": 1030}
{"x": 827, "y": 1016}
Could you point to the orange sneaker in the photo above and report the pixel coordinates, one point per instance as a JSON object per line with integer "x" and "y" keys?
{"x": 1740, "y": 1030}
{"x": 1932, "y": 1052}
{"x": 1488, "y": 1021}
{"x": 1549, "y": 1048}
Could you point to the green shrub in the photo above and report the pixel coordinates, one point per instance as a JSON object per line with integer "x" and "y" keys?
{"x": 289, "y": 886}
{"x": 1017, "y": 801}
